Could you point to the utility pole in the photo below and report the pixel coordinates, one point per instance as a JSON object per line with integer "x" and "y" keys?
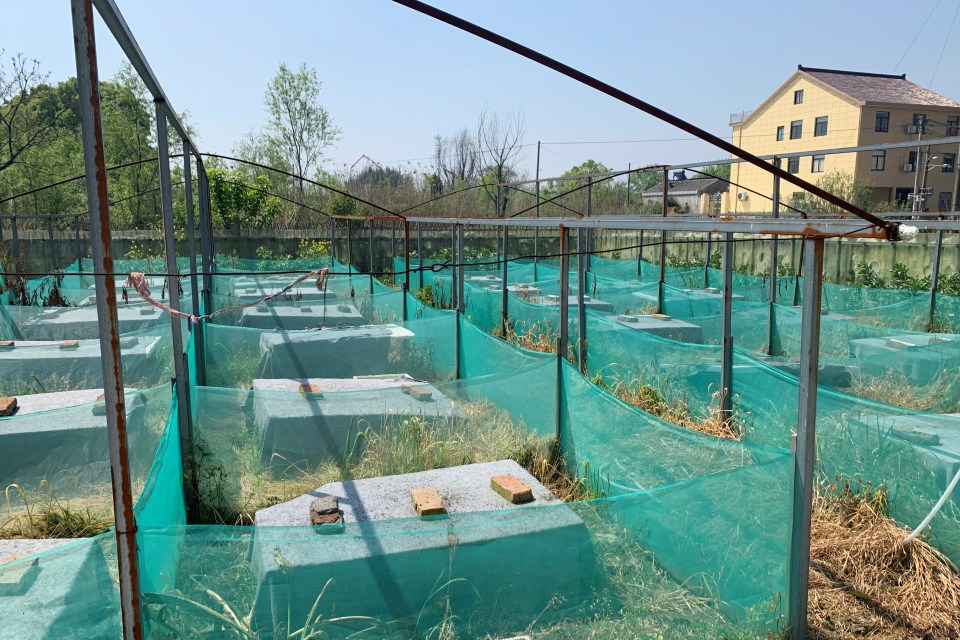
{"x": 916, "y": 206}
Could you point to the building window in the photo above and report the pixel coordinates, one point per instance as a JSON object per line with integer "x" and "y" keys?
{"x": 793, "y": 165}
{"x": 944, "y": 201}
{"x": 883, "y": 122}
{"x": 912, "y": 161}
{"x": 820, "y": 126}
{"x": 902, "y": 194}
{"x": 817, "y": 165}
{"x": 949, "y": 162}
{"x": 796, "y": 129}
{"x": 798, "y": 96}
{"x": 953, "y": 125}
{"x": 878, "y": 161}
{"x": 779, "y": 133}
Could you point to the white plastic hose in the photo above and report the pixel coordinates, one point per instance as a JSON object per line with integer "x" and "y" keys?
{"x": 936, "y": 509}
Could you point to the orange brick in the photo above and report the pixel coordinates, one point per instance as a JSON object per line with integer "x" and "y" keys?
{"x": 417, "y": 393}
{"x": 6, "y": 344}
{"x": 7, "y": 406}
{"x": 511, "y": 488}
{"x": 70, "y": 344}
{"x": 660, "y": 316}
{"x": 427, "y": 502}
{"x": 100, "y": 406}
{"x": 306, "y": 387}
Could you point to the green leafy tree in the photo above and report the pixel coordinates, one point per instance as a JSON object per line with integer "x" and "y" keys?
{"x": 241, "y": 203}
{"x": 841, "y": 184}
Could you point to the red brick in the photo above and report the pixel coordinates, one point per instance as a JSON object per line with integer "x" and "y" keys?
{"x": 7, "y": 406}
{"x": 427, "y": 502}
{"x": 512, "y": 488}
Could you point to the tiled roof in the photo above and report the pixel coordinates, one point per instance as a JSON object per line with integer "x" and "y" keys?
{"x": 879, "y": 88}
{"x": 689, "y": 187}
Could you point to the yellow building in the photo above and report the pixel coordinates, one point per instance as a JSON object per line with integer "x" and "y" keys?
{"x": 819, "y": 109}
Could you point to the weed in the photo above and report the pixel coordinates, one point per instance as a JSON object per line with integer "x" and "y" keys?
{"x": 44, "y": 515}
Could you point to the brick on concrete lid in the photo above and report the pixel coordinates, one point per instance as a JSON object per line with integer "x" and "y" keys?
{"x": 416, "y": 392}
{"x": 6, "y": 344}
{"x": 309, "y": 387}
{"x": 69, "y": 344}
{"x": 325, "y": 510}
{"x": 512, "y": 489}
{"x": 8, "y": 405}
{"x": 427, "y": 502}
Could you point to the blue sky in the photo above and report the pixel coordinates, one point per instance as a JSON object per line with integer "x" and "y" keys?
{"x": 393, "y": 78}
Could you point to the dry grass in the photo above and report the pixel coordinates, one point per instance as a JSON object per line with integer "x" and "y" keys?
{"x": 894, "y": 388}
{"x": 41, "y": 514}
{"x": 482, "y": 434}
{"x": 864, "y": 582}
{"x": 533, "y": 338}
{"x": 654, "y": 401}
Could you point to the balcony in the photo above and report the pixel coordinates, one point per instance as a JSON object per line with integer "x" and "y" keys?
{"x": 737, "y": 118}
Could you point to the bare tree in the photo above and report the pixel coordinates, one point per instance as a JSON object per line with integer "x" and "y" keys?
{"x": 499, "y": 140}
{"x": 457, "y": 159}
{"x": 21, "y": 126}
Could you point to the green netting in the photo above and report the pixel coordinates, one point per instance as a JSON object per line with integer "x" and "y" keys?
{"x": 690, "y": 536}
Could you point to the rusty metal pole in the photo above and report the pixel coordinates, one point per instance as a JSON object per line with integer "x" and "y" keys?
{"x": 94, "y": 160}
{"x": 935, "y": 279}
{"x": 563, "y": 329}
{"x": 504, "y": 297}
{"x": 184, "y": 419}
{"x": 726, "y": 351}
{"x": 663, "y": 244}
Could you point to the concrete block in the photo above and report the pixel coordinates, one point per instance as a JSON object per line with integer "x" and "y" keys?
{"x": 15, "y": 580}
{"x": 511, "y": 488}
{"x": 7, "y": 406}
{"x": 427, "y": 502}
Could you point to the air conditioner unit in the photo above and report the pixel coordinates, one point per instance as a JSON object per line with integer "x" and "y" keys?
{"x": 913, "y": 128}
{"x": 907, "y": 167}
{"x": 741, "y": 195}
{"x": 927, "y": 191}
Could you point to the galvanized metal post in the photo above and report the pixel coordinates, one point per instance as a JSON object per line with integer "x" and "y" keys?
{"x": 663, "y": 245}
{"x": 805, "y": 458}
{"x": 184, "y": 421}
{"x": 726, "y": 352}
{"x": 372, "y": 257}
{"x": 461, "y": 306}
{"x": 453, "y": 271}
{"x": 563, "y": 329}
{"x": 504, "y": 298}
{"x": 406, "y": 268}
{"x": 536, "y": 230}
{"x": 333, "y": 242}
{"x": 706, "y": 264}
{"x": 393, "y": 246}
{"x": 191, "y": 229}
{"x": 207, "y": 263}
{"x": 14, "y": 237}
{"x": 640, "y": 255}
{"x": 420, "y": 260}
{"x": 350, "y": 252}
{"x": 455, "y": 253}
{"x": 94, "y": 160}
{"x": 935, "y": 279}
{"x": 589, "y": 231}
{"x": 582, "y": 261}
{"x": 197, "y": 331}
{"x": 774, "y": 269}
{"x": 54, "y": 253}
{"x": 76, "y": 239}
